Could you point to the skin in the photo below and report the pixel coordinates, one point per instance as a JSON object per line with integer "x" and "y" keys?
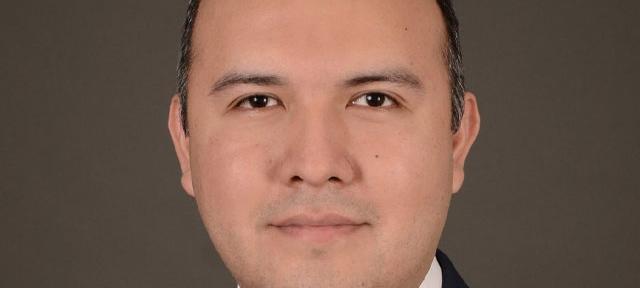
{"x": 314, "y": 149}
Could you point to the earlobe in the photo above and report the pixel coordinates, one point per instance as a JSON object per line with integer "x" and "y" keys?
{"x": 464, "y": 138}
{"x": 181, "y": 143}
{"x": 187, "y": 183}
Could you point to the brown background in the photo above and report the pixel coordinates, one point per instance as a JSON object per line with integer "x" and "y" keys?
{"x": 90, "y": 197}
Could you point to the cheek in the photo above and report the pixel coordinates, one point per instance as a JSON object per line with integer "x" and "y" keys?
{"x": 229, "y": 180}
{"x": 413, "y": 179}
{"x": 410, "y": 182}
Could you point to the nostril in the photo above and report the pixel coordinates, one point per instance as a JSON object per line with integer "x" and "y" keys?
{"x": 298, "y": 179}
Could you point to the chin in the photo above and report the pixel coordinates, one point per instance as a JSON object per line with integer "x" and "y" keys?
{"x": 317, "y": 267}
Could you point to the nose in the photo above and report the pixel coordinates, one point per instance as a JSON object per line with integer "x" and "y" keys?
{"x": 317, "y": 150}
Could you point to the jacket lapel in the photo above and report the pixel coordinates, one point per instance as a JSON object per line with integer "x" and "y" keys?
{"x": 450, "y": 276}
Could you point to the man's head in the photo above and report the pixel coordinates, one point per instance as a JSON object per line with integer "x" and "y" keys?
{"x": 325, "y": 138}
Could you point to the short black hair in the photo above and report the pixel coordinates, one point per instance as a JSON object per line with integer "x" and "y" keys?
{"x": 452, "y": 54}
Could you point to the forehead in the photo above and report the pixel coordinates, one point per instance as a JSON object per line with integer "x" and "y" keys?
{"x": 322, "y": 35}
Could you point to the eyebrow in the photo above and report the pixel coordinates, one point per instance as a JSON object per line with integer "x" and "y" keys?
{"x": 235, "y": 78}
{"x": 400, "y": 76}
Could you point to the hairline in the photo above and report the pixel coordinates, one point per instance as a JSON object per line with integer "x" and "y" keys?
{"x": 451, "y": 50}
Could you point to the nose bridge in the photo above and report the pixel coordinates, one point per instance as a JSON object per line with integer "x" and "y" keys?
{"x": 317, "y": 147}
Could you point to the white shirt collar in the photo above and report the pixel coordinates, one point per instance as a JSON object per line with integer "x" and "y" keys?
{"x": 433, "y": 278}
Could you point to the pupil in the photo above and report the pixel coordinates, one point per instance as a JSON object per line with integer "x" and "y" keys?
{"x": 375, "y": 99}
{"x": 258, "y": 101}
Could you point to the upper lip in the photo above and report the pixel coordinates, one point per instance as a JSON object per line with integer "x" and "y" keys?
{"x": 329, "y": 219}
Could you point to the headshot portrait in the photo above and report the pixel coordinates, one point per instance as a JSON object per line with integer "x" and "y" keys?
{"x": 319, "y": 143}
{"x": 323, "y": 141}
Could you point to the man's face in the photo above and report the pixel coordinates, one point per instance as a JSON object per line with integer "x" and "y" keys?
{"x": 320, "y": 151}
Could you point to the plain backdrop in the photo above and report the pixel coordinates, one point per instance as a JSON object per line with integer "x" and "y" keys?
{"x": 89, "y": 183}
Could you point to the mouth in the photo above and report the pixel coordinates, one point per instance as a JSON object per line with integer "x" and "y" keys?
{"x": 317, "y": 228}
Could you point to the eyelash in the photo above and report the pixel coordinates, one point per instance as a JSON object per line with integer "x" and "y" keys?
{"x": 246, "y": 99}
{"x": 388, "y": 97}
{"x": 394, "y": 102}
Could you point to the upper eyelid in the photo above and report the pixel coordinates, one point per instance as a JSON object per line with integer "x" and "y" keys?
{"x": 389, "y": 95}
{"x": 246, "y": 97}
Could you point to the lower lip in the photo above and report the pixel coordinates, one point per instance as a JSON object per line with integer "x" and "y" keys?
{"x": 319, "y": 234}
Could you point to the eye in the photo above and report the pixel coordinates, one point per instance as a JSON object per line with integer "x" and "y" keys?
{"x": 375, "y": 99}
{"x": 257, "y": 101}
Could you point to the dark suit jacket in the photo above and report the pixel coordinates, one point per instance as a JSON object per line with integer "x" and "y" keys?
{"x": 450, "y": 277}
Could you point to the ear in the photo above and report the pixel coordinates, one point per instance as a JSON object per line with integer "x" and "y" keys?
{"x": 181, "y": 143}
{"x": 464, "y": 138}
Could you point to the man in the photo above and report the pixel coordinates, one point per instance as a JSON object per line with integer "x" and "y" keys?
{"x": 323, "y": 139}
